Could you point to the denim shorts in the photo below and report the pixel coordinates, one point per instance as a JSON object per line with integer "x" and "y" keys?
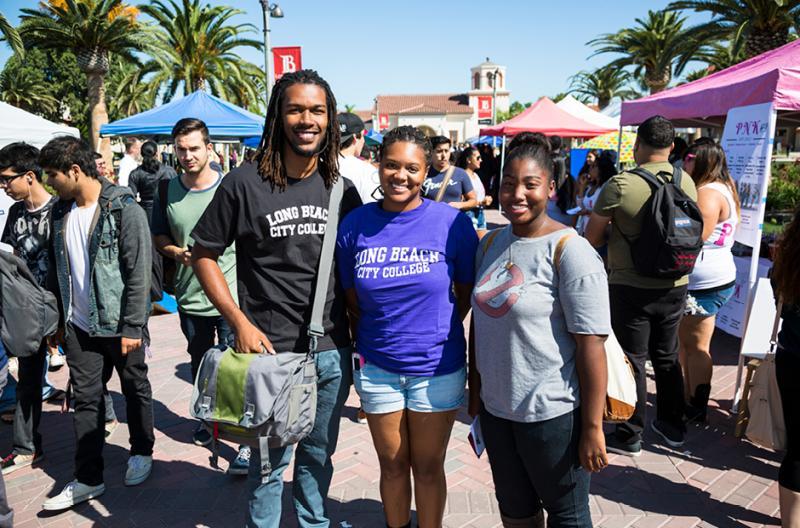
{"x": 384, "y": 392}
{"x": 478, "y": 218}
{"x": 705, "y": 303}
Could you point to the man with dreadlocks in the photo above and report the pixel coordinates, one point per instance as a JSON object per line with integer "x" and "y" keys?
{"x": 275, "y": 212}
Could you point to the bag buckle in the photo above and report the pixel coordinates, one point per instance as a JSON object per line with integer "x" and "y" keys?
{"x": 314, "y": 333}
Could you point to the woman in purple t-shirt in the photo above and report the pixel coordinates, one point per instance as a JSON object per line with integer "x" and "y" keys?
{"x": 406, "y": 264}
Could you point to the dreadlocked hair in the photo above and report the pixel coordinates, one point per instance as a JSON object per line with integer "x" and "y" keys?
{"x": 786, "y": 272}
{"x": 269, "y": 158}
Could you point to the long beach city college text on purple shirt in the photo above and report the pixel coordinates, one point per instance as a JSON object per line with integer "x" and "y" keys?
{"x": 402, "y": 266}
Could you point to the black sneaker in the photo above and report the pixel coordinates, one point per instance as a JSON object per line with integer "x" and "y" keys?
{"x": 672, "y": 436}
{"x": 614, "y": 445}
{"x": 201, "y": 437}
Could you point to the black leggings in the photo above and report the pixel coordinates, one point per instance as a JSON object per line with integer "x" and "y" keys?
{"x": 787, "y": 367}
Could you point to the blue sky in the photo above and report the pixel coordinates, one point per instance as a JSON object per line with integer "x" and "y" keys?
{"x": 428, "y": 46}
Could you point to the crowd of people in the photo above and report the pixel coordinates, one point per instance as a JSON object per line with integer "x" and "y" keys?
{"x": 414, "y": 259}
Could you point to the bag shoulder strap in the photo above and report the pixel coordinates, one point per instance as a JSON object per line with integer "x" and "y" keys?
{"x": 445, "y": 182}
{"x": 163, "y": 194}
{"x": 562, "y": 242}
{"x": 776, "y": 323}
{"x": 315, "y": 328}
{"x": 488, "y": 240}
{"x": 647, "y": 176}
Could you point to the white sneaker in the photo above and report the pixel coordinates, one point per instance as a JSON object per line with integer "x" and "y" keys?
{"x": 139, "y": 467}
{"x": 72, "y": 494}
{"x": 56, "y": 362}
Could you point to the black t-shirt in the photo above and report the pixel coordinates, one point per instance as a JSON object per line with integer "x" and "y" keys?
{"x": 29, "y": 234}
{"x": 278, "y": 236}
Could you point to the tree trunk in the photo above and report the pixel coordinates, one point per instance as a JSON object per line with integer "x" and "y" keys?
{"x": 657, "y": 81}
{"x": 759, "y": 42}
{"x": 199, "y": 84}
{"x": 603, "y": 102}
{"x": 98, "y": 113}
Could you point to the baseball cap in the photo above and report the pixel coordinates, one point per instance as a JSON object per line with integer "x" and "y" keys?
{"x": 349, "y": 125}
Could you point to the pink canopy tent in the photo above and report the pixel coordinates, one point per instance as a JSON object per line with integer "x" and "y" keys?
{"x": 770, "y": 77}
{"x": 546, "y": 117}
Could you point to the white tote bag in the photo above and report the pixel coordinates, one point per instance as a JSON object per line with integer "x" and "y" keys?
{"x": 766, "y": 426}
{"x": 621, "y": 391}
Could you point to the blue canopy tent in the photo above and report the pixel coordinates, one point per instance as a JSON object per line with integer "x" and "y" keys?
{"x": 374, "y": 137}
{"x": 224, "y": 120}
{"x": 494, "y": 141}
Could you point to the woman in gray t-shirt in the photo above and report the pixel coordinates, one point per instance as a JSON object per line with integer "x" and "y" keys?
{"x": 538, "y": 370}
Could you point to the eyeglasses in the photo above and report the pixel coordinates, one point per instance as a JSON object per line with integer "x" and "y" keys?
{"x": 5, "y": 181}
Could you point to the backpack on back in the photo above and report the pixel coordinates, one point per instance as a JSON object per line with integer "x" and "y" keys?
{"x": 672, "y": 229}
{"x": 28, "y": 312}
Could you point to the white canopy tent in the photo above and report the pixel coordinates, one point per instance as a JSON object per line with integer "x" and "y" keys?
{"x": 581, "y": 111}
{"x": 19, "y": 125}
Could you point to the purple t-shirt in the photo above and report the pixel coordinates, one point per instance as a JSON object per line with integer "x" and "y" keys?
{"x": 402, "y": 266}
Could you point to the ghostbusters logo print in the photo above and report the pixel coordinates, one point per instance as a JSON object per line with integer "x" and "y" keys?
{"x": 499, "y": 289}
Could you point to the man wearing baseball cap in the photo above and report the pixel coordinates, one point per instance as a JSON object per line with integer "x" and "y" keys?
{"x": 363, "y": 175}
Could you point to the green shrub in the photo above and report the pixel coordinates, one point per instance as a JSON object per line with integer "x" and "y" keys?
{"x": 784, "y": 189}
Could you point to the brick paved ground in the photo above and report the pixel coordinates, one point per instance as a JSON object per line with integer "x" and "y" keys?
{"x": 716, "y": 480}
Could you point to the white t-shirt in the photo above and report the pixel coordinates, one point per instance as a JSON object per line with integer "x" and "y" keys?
{"x": 363, "y": 175}
{"x": 126, "y": 165}
{"x": 78, "y": 224}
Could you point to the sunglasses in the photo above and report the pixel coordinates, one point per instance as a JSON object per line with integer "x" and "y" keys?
{"x": 5, "y": 181}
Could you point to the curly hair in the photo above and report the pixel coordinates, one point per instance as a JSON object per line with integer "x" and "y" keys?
{"x": 408, "y": 134}
{"x": 270, "y": 151}
{"x": 786, "y": 272}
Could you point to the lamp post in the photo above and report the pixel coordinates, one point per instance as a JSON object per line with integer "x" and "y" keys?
{"x": 274, "y": 11}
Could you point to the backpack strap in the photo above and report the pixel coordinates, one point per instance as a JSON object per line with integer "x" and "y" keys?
{"x": 315, "y": 328}
{"x": 488, "y": 240}
{"x": 653, "y": 180}
{"x": 562, "y": 242}
{"x": 163, "y": 194}
{"x": 445, "y": 182}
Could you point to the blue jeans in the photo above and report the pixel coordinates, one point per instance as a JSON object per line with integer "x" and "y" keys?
{"x": 200, "y": 332}
{"x": 312, "y": 467}
{"x": 535, "y": 465}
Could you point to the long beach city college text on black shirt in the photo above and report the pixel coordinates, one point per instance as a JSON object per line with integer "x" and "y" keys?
{"x": 278, "y": 236}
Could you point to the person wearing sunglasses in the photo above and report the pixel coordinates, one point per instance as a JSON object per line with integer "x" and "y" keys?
{"x": 27, "y": 231}
{"x": 470, "y": 160}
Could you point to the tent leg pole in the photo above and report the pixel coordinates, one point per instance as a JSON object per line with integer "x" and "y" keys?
{"x": 751, "y": 282}
{"x": 619, "y": 148}
{"x": 500, "y": 176}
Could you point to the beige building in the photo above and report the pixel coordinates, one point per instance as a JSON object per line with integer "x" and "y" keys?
{"x": 458, "y": 115}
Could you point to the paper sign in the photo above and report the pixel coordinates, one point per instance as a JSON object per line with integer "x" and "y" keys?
{"x": 747, "y": 141}
{"x": 475, "y": 437}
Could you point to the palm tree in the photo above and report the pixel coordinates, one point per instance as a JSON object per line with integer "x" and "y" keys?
{"x": 657, "y": 48}
{"x": 195, "y": 48}
{"x": 603, "y": 84}
{"x": 93, "y": 30}
{"x": 721, "y": 55}
{"x": 762, "y": 24}
{"x": 9, "y": 33}
{"x": 130, "y": 93}
{"x": 26, "y": 92}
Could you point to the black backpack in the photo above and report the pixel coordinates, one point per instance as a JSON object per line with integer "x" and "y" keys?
{"x": 28, "y": 312}
{"x": 672, "y": 229}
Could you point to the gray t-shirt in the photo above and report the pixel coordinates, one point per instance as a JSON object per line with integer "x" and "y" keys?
{"x": 460, "y": 184}
{"x": 524, "y": 314}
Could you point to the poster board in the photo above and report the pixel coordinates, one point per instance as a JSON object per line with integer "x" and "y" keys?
{"x": 731, "y": 317}
{"x": 747, "y": 140}
{"x": 759, "y": 328}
